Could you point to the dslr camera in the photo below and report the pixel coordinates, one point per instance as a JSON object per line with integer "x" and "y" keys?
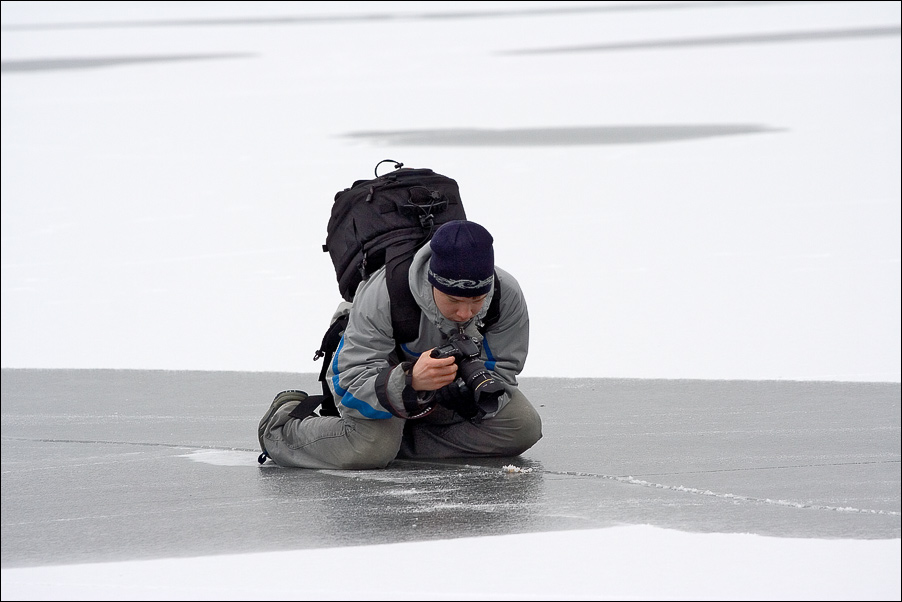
{"x": 471, "y": 370}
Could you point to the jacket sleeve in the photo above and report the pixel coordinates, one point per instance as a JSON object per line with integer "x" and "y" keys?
{"x": 365, "y": 353}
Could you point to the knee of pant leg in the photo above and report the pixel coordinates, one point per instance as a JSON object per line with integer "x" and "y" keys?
{"x": 527, "y": 434}
{"x": 370, "y": 454}
{"x": 371, "y": 444}
{"x": 527, "y": 429}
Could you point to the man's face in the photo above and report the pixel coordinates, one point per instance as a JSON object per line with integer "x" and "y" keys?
{"x": 457, "y": 309}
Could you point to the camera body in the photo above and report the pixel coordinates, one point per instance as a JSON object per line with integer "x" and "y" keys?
{"x": 471, "y": 370}
{"x": 461, "y": 347}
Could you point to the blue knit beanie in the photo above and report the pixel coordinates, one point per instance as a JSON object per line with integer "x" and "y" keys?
{"x": 463, "y": 260}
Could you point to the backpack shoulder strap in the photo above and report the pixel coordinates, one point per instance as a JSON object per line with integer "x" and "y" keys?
{"x": 405, "y": 313}
{"x": 494, "y": 313}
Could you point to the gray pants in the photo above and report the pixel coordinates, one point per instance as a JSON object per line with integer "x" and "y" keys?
{"x": 349, "y": 443}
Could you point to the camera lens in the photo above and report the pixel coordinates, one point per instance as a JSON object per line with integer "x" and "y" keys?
{"x": 480, "y": 380}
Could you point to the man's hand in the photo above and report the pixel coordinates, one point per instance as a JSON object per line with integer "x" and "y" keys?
{"x": 451, "y": 397}
{"x": 431, "y": 373}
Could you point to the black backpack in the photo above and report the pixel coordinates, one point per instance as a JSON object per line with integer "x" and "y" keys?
{"x": 385, "y": 221}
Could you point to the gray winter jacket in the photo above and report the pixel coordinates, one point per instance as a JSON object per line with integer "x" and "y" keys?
{"x": 365, "y": 374}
